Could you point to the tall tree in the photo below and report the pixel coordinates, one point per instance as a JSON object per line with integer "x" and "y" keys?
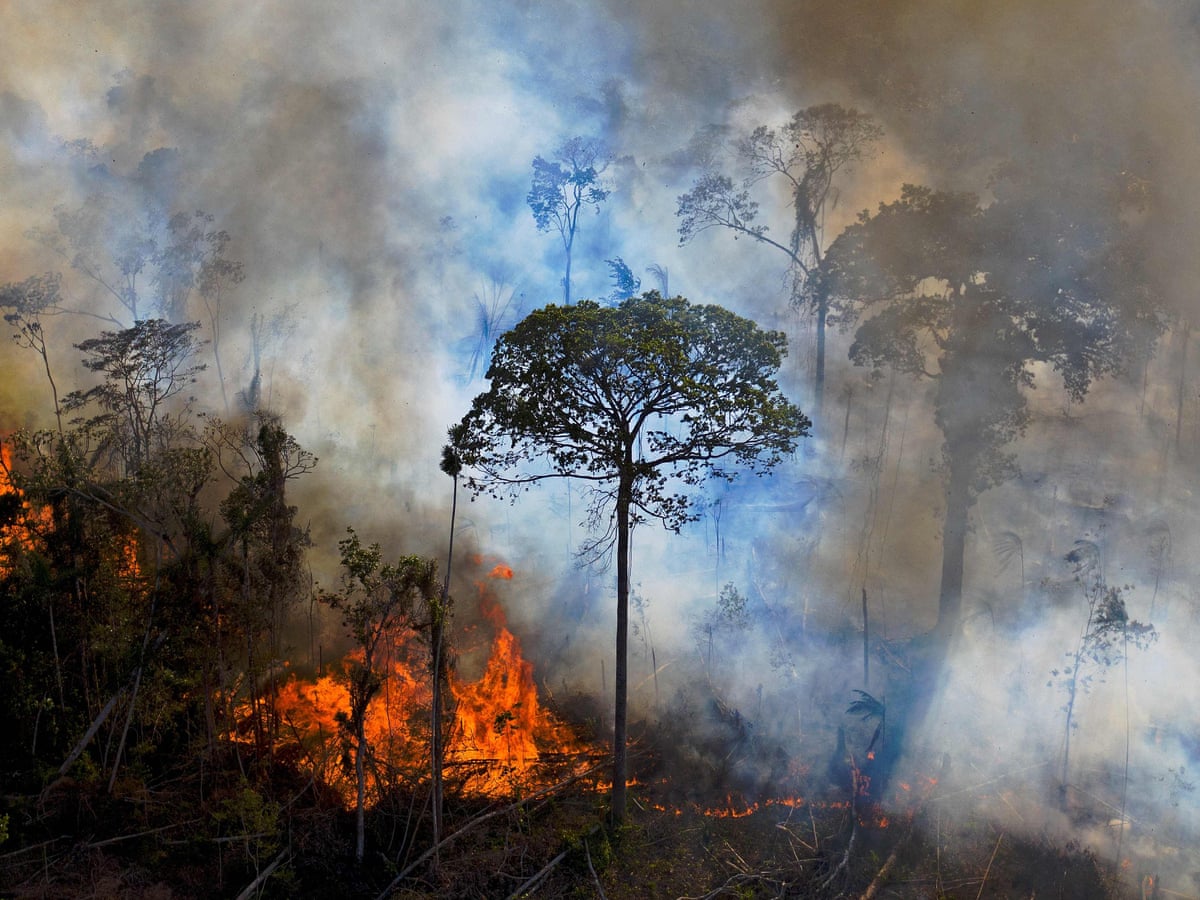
{"x": 263, "y": 554}
{"x": 941, "y": 288}
{"x": 439, "y": 614}
{"x": 805, "y": 155}
{"x": 563, "y": 187}
{"x": 641, "y": 401}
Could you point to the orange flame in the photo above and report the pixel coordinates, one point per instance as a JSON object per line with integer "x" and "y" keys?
{"x": 497, "y": 736}
{"x": 28, "y": 524}
{"x": 28, "y": 527}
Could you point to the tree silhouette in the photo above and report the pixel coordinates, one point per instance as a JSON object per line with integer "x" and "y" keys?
{"x": 805, "y": 155}
{"x": 145, "y": 368}
{"x": 641, "y": 401}
{"x": 563, "y": 186}
{"x": 941, "y": 288}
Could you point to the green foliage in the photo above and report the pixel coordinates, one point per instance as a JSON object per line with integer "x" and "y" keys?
{"x": 249, "y": 820}
{"x": 376, "y": 599}
{"x": 642, "y": 401}
{"x": 378, "y": 596}
{"x": 652, "y": 389}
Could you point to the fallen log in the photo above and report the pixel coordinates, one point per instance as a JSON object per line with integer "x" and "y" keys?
{"x": 249, "y": 890}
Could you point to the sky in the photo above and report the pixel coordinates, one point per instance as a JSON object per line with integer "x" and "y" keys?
{"x": 370, "y": 162}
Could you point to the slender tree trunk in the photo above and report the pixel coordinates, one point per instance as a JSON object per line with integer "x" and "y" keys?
{"x": 437, "y": 632}
{"x": 435, "y": 735}
{"x": 568, "y": 237}
{"x": 819, "y": 377}
{"x": 621, "y": 684}
{"x": 50, "y": 377}
{"x": 567, "y": 280}
{"x": 360, "y": 774}
{"x": 954, "y": 546}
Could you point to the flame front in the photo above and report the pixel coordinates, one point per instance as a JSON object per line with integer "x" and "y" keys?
{"x": 498, "y": 730}
{"x": 27, "y": 525}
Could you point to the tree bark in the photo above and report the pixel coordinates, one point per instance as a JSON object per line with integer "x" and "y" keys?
{"x": 360, "y": 773}
{"x": 954, "y": 546}
{"x": 621, "y": 684}
{"x": 437, "y": 635}
{"x": 819, "y": 376}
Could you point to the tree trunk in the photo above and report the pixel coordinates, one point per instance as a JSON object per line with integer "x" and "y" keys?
{"x": 954, "y": 546}
{"x": 568, "y": 245}
{"x": 437, "y": 635}
{"x": 620, "y": 767}
{"x": 435, "y": 736}
{"x": 819, "y": 377}
{"x": 360, "y": 773}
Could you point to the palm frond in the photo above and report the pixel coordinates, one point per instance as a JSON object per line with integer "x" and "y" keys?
{"x": 867, "y": 707}
{"x": 1007, "y": 546}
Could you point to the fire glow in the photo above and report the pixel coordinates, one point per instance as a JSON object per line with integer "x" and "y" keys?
{"x": 29, "y": 523}
{"x": 498, "y": 730}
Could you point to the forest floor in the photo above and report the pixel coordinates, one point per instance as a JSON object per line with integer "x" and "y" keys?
{"x": 554, "y": 843}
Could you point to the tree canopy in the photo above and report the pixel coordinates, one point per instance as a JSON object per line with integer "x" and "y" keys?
{"x": 652, "y": 388}
{"x": 939, "y": 286}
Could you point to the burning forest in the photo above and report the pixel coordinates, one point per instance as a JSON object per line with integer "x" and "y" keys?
{"x": 618, "y": 450}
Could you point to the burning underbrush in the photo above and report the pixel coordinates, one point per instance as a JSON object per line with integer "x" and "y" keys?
{"x": 780, "y": 792}
{"x": 500, "y": 737}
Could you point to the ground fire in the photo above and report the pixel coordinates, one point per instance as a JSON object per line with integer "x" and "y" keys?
{"x": 499, "y": 731}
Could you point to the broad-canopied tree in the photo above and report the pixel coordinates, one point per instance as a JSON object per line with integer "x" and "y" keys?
{"x": 940, "y": 287}
{"x": 641, "y": 401}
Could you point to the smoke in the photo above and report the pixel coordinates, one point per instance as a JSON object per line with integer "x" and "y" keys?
{"x": 370, "y": 163}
